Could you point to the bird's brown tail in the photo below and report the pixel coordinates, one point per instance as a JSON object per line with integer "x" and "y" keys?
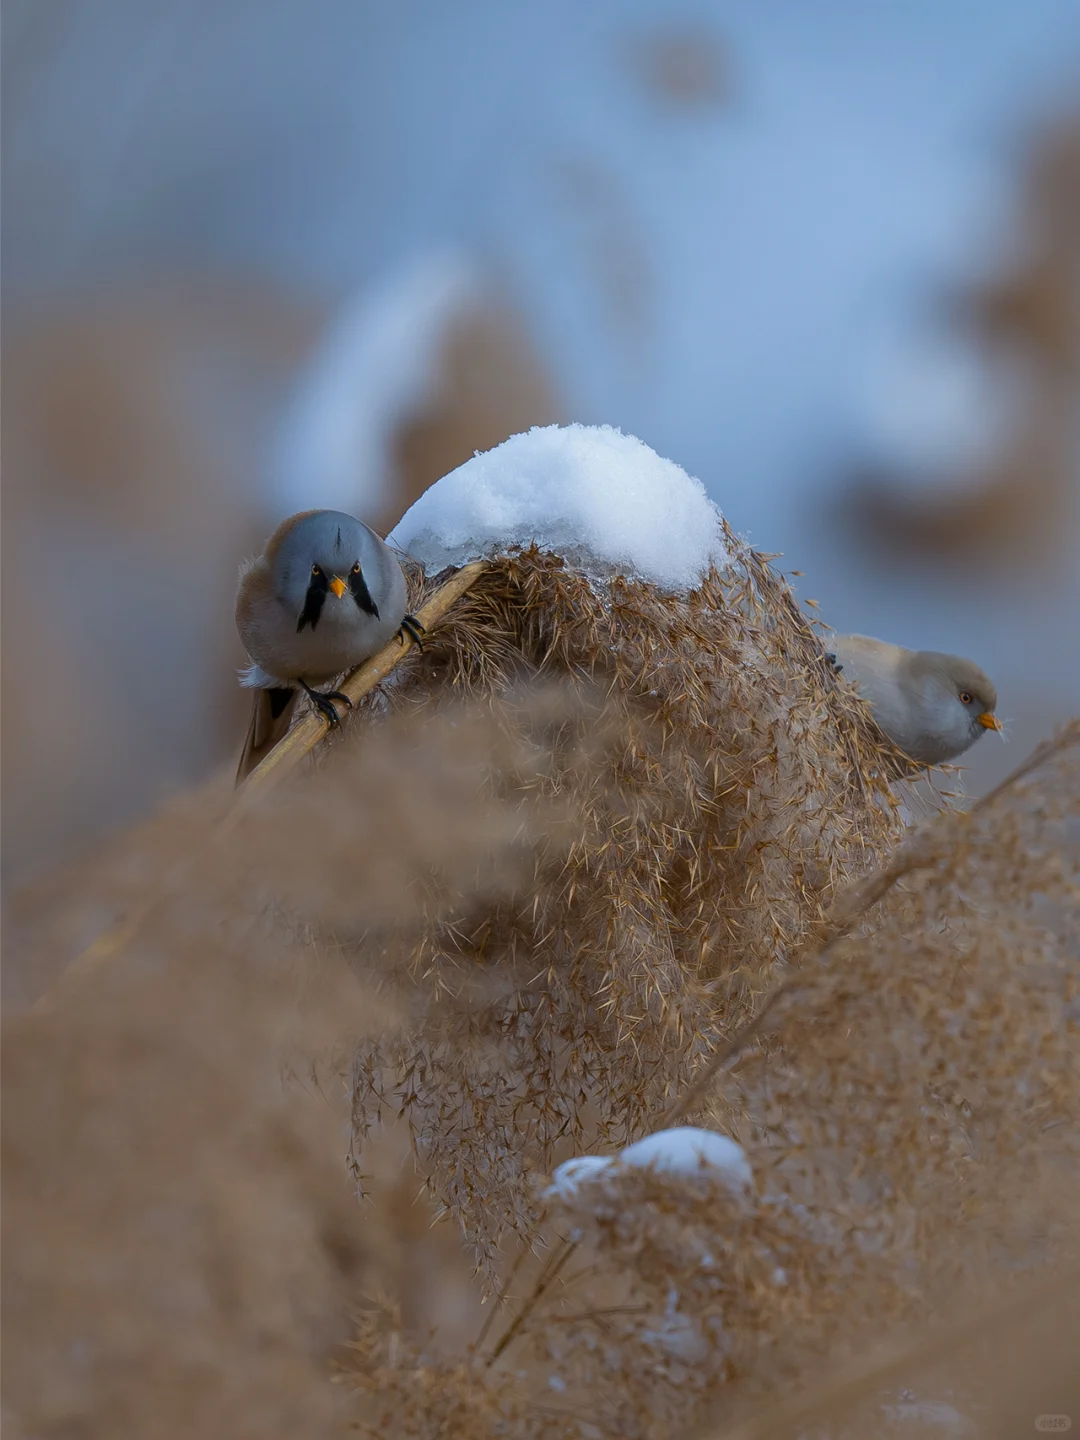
{"x": 271, "y": 715}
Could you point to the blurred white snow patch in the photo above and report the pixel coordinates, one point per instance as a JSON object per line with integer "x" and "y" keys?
{"x": 930, "y": 1416}
{"x": 686, "y": 1150}
{"x": 679, "y": 1334}
{"x": 683, "y": 1151}
{"x": 378, "y": 366}
{"x": 601, "y": 499}
{"x": 938, "y": 411}
{"x": 569, "y": 1176}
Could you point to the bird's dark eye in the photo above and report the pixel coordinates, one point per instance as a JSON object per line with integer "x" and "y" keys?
{"x": 356, "y": 568}
{"x": 314, "y": 570}
{"x": 965, "y": 697}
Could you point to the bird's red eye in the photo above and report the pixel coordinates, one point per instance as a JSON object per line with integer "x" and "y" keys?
{"x": 356, "y": 568}
{"x": 965, "y": 697}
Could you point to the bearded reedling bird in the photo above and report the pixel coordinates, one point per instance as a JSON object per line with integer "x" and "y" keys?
{"x": 324, "y": 596}
{"x": 931, "y": 706}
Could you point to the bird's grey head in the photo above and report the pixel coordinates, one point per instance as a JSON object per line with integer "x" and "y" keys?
{"x": 959, "y": 699}
{"x": 327, "y": 558}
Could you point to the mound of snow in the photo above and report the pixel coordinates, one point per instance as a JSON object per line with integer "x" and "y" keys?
{"x": 684, "y": 1150}
{"x": 687, "y": 1151}
{"x": 601, "y": 499}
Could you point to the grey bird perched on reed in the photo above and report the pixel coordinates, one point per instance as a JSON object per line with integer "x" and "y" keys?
{"x": 324, "y": 596}
{"x": 932, "y": 706}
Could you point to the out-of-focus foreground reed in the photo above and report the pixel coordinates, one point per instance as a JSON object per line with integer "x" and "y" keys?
{"x": 587, "y": 848}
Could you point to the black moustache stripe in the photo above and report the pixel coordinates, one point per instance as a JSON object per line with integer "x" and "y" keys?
{"x": 313, "y": 602}
{"x": 361, "y": 594}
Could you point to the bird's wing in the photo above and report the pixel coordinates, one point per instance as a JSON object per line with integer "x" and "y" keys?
{"x": 271, "y": 715}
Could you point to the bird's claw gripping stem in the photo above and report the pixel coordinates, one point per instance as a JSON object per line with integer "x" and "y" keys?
{"x": 323, "y": 702}
{"x": 412, "y": 627}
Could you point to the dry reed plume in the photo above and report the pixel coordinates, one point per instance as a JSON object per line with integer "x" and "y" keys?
{"x": 721, "y": 787}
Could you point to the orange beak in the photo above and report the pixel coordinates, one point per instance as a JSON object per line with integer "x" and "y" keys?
{"x": 338, "y": 586}
{"x": 989, "y": 721}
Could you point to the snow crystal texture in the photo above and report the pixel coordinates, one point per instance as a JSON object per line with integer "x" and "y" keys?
{"x": 601, "y": 499}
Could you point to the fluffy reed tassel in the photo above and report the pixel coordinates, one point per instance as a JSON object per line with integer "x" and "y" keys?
{"x": 719, "y": 785}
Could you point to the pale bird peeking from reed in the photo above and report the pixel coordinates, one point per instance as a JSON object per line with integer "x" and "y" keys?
{"x": 324, "y": 596}
{"x": 932, "y": 706}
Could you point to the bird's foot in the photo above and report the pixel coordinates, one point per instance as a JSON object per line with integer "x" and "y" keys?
{"x": 412, "y": 627}
{"x": 323, "y": 702}
{"x": 830, "y": 659}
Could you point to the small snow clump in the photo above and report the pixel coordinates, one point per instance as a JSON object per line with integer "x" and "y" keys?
{"x": 601, "y": 499}
{"x": 683, "y": 1151}
{"x": 689, "y": 1151}
{"x": 571, "y": 1173}
{"x": 930, "y": 1416}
